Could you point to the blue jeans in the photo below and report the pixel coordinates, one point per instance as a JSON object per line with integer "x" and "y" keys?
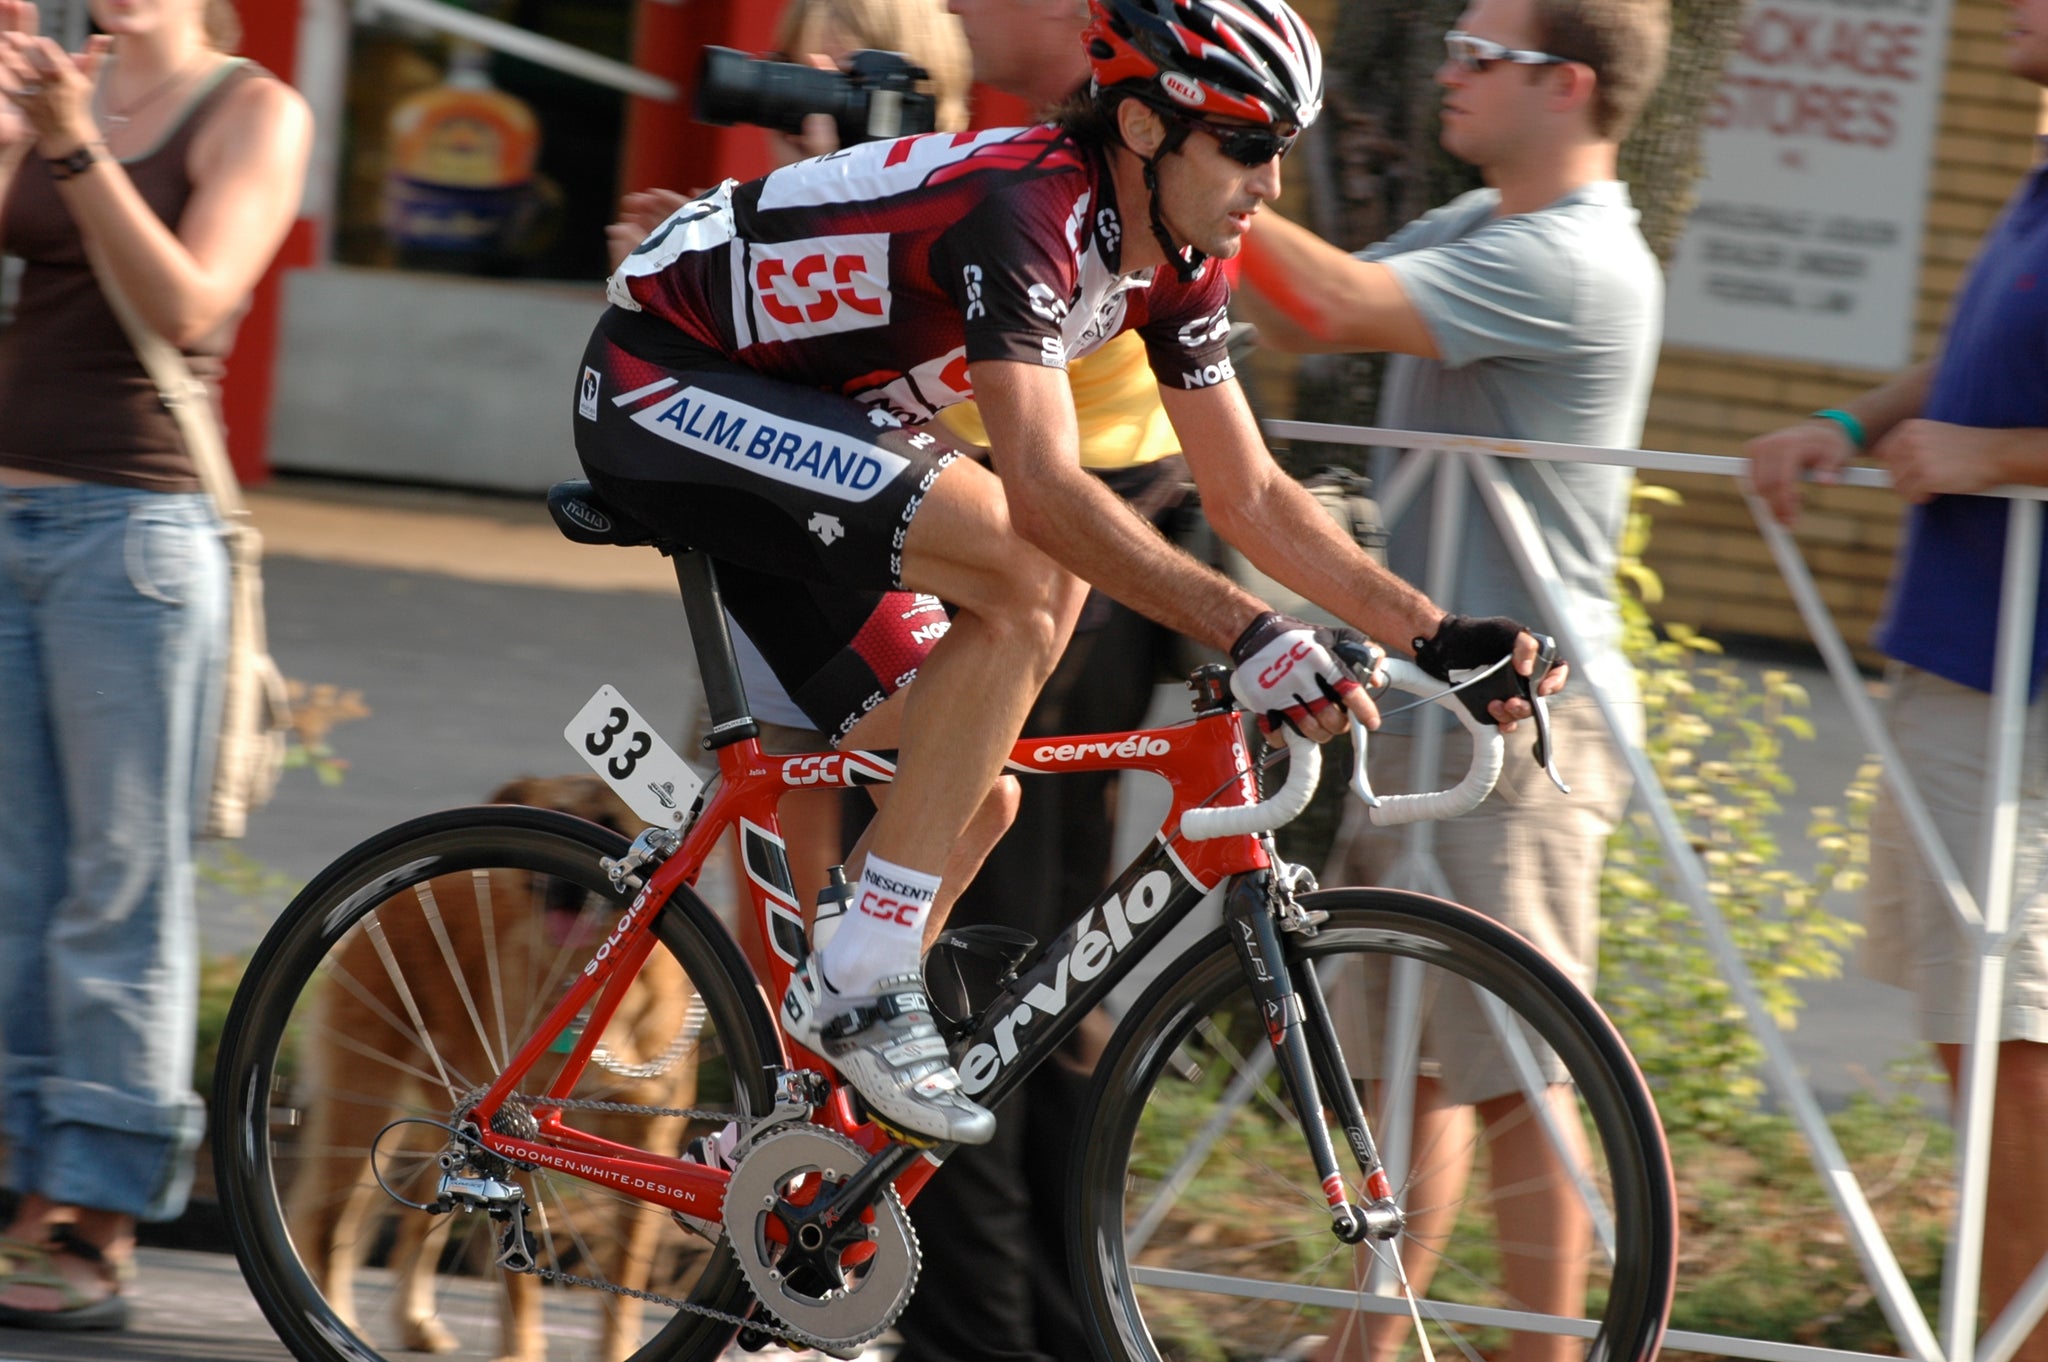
{"x": 113, "y": 620}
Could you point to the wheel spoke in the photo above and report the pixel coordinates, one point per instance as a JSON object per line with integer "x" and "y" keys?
{"x": 388, "y": 994}
{"x": 1524, "y": 1144}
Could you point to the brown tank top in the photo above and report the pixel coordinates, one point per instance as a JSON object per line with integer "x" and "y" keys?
{"x": 74, "y": 398}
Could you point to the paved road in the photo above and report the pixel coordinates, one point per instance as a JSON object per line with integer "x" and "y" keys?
{"x": 193, "y": 1307}
{"x": 187, "y": 1306}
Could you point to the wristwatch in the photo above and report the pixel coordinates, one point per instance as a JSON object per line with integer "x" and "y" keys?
{"x": 77, "y": 163}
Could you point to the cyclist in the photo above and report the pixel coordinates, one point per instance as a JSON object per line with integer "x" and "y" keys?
{"x": 761, "y": 389}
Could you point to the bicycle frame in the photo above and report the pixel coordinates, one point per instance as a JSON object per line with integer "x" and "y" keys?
{"x": 1205, "y": 762}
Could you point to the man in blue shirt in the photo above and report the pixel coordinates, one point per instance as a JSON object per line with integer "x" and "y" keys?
{"x": 1972, "y": 417}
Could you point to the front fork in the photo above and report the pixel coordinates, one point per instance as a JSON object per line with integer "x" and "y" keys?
{"x": 1289, "y": 994}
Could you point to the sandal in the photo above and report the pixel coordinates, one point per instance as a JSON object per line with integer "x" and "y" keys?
{"x": 36, "y": 1267}
{"x": 19, "y": 1251}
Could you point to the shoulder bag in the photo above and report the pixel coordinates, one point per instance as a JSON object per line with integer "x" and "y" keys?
{"x": 255, "y": 716}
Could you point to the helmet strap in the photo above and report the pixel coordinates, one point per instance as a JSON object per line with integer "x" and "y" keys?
{"x": 1187, "y": 262}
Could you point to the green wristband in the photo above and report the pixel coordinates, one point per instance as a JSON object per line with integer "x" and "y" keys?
{"x": 1851, "y": 427}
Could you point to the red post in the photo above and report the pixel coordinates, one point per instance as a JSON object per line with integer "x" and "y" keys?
{"x": 665, "y": 147}
{"x": 270, "y": 35}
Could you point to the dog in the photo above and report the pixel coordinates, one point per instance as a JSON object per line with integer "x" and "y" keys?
{"x": 366, "y": 1068}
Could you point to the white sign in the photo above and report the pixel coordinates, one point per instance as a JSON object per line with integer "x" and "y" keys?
{"x": 623, "y": 748}
{"x": 1818, "y": 149}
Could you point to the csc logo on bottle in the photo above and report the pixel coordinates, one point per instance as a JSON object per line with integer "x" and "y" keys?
{"x": 819, "y": 285}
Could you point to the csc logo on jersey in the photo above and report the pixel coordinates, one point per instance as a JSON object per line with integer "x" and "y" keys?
{"x": 818, "y": 285}
{"x": 1206, "y": 330}
{"x": 1047, "y": 304}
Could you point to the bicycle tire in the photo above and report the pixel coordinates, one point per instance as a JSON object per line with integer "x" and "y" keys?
{"x": 397, "y": 982}
{"x": 1199, "y": 1229}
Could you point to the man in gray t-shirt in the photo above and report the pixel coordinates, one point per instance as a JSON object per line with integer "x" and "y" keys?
{"x": 1546, "y": 326}
{"x": 1530, "y": 309}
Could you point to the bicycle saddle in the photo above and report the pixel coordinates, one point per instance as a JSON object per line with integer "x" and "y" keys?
{"x": 587, "y": 518}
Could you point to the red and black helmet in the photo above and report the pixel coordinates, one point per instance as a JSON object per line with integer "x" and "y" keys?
{"x": 1249, "y": 59}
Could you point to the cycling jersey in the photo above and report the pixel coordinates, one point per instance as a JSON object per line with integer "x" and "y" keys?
{"x": 757, "y": 388}
{"x": 882, "y": 271}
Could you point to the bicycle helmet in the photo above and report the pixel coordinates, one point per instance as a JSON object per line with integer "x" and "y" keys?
{"x": 1246, "y": 59}
{"x": 1249, "y": 59}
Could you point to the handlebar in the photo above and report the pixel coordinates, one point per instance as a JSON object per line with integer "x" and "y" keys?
{"x": 1489, "y": 752}
{"x": 1305, "y": 767}
{"x": 1304, "y": 771}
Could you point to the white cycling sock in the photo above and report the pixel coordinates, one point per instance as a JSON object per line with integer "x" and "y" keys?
{"x": 882, "y": 932}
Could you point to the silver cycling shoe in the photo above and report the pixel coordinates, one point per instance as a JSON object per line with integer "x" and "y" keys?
{"x": 888, "y": 1047}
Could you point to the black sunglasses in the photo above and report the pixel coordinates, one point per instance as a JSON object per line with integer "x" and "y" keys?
{"x": 1246, "y": 145}
{"x": 1478, "y": 54}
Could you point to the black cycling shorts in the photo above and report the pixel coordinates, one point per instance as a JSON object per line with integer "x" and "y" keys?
{"x": 802, "y": 496}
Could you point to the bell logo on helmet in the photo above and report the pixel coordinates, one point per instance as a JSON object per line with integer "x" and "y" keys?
{"x": 1185, "y": 89}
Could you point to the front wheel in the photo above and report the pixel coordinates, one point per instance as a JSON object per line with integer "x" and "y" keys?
{"x": 390, "y": 994}
{"x": 1524, "y": 1149}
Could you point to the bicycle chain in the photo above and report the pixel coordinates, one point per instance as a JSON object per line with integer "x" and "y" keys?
{"x": 770, "y": 1326}
{"x": 622, "y": 1108}
{"x": 775, "y": 1329}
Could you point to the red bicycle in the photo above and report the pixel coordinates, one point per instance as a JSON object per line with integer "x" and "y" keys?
{"x": 461, "y": 1072}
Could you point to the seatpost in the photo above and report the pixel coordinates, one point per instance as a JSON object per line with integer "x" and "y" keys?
{"x": 731, "y": 721}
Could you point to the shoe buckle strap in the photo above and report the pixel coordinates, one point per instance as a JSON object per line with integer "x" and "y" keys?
{"x": 860, "y": 1017}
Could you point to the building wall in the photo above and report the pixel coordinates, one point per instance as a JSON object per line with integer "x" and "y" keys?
{"x": 1717, "y": 574}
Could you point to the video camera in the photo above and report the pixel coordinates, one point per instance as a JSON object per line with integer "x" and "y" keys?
{"x": 875, "y": 99}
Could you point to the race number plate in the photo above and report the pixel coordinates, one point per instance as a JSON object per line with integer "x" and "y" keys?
{"x": 625, "y": 750}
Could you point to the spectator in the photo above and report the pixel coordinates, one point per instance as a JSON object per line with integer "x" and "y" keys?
{"x": 1972, "y": 417}
{"x": 183, "y": 165}
{"x": 825, "y": 33}
{"x": 1529, "y": 308}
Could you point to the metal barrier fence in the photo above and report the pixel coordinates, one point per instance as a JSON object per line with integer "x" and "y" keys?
{"x": 1458, "y": 465}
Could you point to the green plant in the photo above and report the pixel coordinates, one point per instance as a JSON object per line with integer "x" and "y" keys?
{"x": 1715, "y": 740}
{"x": 316, "y": 711}
{"x": 1762, "y": 1254}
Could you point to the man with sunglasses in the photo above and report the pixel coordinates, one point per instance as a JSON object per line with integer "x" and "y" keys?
{"x": 1528, "y": 309}
{"x": 763, "y": 389}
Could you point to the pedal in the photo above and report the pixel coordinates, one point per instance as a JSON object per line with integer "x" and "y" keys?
{"x": 911, "y": 1138}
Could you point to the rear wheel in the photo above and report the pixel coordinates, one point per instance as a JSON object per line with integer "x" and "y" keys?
{"x": 1540, "y": 1221}
{"x": 394, "y": 989}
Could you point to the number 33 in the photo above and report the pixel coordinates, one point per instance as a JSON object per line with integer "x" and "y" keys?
{"x": 600, "y": 742}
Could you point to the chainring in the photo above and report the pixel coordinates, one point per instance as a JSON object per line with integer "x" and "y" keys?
{"x": 792, "y": 1168}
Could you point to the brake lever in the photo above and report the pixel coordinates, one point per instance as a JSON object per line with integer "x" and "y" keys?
{"x": 1364, "y": 657}
{"x": 1545, "y": 751}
